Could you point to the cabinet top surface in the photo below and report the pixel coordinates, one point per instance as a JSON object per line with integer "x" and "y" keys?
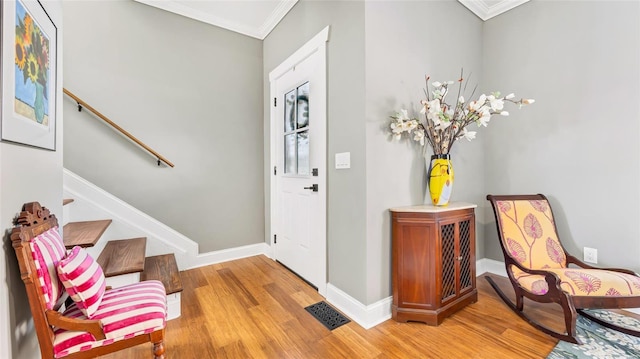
{"x": 429, "y": 208}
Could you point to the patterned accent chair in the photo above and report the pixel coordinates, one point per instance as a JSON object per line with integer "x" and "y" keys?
{"x": 540, "y": 268}
{"x": 93, "y": 320}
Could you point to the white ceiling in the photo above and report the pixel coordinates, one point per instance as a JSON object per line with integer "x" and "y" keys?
{"x": 256, "y": 18}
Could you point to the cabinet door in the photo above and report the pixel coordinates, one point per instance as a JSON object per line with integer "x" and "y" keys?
{"x": 448, "y": 273}
{"x": 458, "y": 256}
{"x": 414, "y": 267}
{"x": 466, "y": 255}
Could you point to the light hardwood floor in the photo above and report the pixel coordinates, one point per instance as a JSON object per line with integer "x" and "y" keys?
{"x": 254, "y": 308}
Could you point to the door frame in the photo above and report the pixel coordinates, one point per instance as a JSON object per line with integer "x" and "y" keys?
{"x": 317, "y": 45}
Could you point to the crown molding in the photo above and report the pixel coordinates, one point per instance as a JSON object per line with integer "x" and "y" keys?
{"x": 259, "y": 32}
{"x": 485, "y": 11}
{"x": 274, "y": 18}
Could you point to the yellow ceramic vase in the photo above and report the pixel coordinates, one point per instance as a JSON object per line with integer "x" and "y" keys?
{"x": 440, "y": 179}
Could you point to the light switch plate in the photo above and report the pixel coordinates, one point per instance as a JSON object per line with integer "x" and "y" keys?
{"x": 343, "y": 160}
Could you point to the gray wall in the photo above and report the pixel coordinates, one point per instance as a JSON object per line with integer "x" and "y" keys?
{"x": 346, "y": 207}
{"x": 404, "y": 42}
{"x": 189, "y": 90}
{"x": 26, "y": 174}
{"x": 578, "y": 143}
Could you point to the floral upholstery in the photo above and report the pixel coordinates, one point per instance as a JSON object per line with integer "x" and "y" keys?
{"x": 529, "y": 235}
{"x": 583, "y": 282}
{"x": 125, "y": 312}
{"x": 47, "y": 250}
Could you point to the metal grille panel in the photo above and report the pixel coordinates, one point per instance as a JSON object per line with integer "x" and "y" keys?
{"x": 465, "y": 253}
{"x": 447, "y": 234}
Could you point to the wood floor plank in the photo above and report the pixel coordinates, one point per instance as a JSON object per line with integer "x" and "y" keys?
{"x": 194, "y": 279}
{"x": 215, "y": 281}
{"x": 347, "y": 337}
{"x": 254, "y": 308}
{"x": 238, "y": 288}
{"x": 279, "y": 341}
{"x": 304, "y": 323}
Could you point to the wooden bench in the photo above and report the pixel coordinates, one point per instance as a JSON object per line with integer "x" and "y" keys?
{"x": 66, "y": 331}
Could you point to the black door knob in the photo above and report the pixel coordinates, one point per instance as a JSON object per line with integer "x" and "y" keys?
{"x": 313, "y": 187}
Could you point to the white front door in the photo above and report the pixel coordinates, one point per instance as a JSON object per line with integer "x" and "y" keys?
{"x": 298, "y": 135}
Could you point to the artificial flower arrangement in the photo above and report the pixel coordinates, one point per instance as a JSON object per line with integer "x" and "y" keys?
{"x": 444, "y": 124}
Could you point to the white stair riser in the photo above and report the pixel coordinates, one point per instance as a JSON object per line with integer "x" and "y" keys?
{"x": 121, "y": 280}
{"x": 65, "y": 214}
{"x": 173, "y": 306}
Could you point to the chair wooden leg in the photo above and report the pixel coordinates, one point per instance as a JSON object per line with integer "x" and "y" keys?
{"x": 157, "y": 338}
{"x": 570, "y": 316}
{"x": 158, "y": 350}
{"x": 570, "y": 320}
{"x": 519, "y": 301}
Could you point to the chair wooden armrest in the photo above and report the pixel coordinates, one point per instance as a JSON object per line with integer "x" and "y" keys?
{"x": 94, "y": 327}
{"x": 552, "y": 279}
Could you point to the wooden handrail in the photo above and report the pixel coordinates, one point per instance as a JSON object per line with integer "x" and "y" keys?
{"x": 82, "y": 104}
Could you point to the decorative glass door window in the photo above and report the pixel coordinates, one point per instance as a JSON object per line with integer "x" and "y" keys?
{"x": 296, "y": 130}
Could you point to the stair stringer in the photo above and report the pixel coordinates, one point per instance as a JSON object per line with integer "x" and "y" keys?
{"x": 92, "y": 202}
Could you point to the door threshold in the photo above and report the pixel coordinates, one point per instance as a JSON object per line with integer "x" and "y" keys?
{"x": 298, "y": 275}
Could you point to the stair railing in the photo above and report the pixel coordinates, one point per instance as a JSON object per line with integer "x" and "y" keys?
{"x": 82, "y": 104}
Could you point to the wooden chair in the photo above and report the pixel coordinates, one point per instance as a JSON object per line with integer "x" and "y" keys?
{"x": 541, "y": 270}
{"x": 125, "y": 317}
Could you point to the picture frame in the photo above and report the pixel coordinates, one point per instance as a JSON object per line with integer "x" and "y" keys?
{"x": 29, "y": 74}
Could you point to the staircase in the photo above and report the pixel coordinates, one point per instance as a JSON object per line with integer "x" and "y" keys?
{"x": 124, "y": 261}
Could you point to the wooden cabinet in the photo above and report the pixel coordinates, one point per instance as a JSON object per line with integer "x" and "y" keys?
{"x": 433, "y": 261}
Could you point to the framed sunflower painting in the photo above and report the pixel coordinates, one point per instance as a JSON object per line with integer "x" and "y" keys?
{"x": 29, "y": 43}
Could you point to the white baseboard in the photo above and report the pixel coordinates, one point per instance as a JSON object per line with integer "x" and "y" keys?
{"x": 367, "y": 316}
{"x": 633, "y": 310}
{"x": 486, "y": 265}
{"x": 230, "y": 254}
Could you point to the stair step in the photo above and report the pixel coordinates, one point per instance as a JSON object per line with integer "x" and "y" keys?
{"x": 123, "y": 256}
{"x": 66, "y": 201}
{"x": 83, "y": 234}
{"x": 165, "y": 269}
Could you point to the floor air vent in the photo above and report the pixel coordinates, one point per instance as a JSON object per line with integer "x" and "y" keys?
{"x": 328, "y": 316}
